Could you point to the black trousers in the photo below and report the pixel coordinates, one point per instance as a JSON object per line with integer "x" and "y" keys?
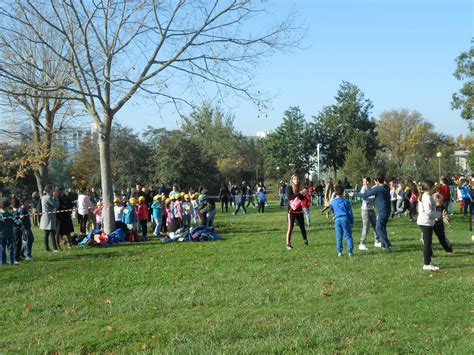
{"x": 261, "y": 207}
{"x": 225, "y": 203}
{"x": 18, "y": 243}
{"x": 144, "y": 225}
{"x": 82, "y": 220}
{"x": 299, "y": 218}
{"x": 427, "y": 241}
{"x": 50, "y": 233}
{"x": 438, "y": 229}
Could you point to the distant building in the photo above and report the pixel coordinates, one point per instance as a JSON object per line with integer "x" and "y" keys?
{"x": 263, "y": 134}
{"x": 71, "y": 139}
{"x": 460, "y": 157}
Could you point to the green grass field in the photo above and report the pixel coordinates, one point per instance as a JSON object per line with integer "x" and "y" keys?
{"x": 245, "y": 293}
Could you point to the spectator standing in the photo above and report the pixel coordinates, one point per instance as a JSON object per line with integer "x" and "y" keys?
{"x": 49, "y": 205}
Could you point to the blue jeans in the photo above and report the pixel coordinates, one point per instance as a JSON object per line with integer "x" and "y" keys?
{"x": 29, "y": 239}
{"x": 381, "y": 230}
{"x": 7, "y": 244}
{"x": 343, "y": 227}
{"x": 307, "y": 215}
{"x": 282, "y": 200}
{"x": 320, "y": 200}
{"x": 467, "y": 206}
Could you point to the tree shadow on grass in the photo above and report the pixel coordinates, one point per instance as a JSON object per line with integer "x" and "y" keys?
{"x": 105, "y": 255}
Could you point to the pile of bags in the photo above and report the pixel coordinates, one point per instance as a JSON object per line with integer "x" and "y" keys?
{"x": 197, "y": 234}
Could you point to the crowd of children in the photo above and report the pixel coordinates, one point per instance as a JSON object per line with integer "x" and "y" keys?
{"x": 431, "y": 205}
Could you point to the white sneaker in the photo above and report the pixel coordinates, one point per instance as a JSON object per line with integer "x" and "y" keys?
{"x": 378, "y": 244}
{"x": 430, "y": 268}
{"x": 363, "y": 247}
{"x": 339, "y": 254}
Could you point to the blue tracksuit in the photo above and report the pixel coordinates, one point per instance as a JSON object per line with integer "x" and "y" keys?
{"x": 343, "y": 221}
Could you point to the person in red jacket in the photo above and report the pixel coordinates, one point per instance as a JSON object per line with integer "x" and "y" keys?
{"x": 142, "y": 214}
{"x": 445, "y": 191}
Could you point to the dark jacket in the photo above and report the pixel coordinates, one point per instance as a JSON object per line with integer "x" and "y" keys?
{"x": 382, "y": 199}
{"x": 290, "y": 194}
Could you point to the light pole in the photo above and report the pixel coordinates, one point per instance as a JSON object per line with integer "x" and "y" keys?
{"x": 278, "y": 173}
{"x": 319, "y": 174}
{"x": 439, "y": 155}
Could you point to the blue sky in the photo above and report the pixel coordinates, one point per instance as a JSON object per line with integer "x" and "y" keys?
{"x": 399, "y": 53}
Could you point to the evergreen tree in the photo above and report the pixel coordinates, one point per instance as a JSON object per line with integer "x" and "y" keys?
{"x": 344, "y": 122}
{"x": 292, "y": 147}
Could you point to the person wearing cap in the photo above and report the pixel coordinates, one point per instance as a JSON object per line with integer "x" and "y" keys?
{"x": 142, "y": 215}
{"x": 118, "y": 209}
{"x": 129, "y": 216}
{"x": 156, "y": 214}
{"x": 188, "y": 211}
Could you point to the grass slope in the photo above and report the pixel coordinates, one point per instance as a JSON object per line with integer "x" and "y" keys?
{"x": 246, "y": 293}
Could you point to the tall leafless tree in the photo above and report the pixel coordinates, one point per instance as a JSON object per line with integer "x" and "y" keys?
{"x": 117, "y": 49}
{"x": 31, "y": 116}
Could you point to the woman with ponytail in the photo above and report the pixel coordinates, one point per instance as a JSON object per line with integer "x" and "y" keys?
{"x": 295, "y": 210}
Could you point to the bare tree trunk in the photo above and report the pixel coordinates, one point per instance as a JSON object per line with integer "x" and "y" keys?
{"x": 106, "y": 175}
{"x": 41, "y": 176}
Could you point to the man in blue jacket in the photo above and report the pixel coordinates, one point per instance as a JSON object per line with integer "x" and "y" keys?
{"x": 382, "y": 203}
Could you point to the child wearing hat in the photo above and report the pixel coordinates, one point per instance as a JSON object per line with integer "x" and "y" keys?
{"x": 142, "y": 215}
{"x": 118, "y": 209}
{"x": 129, "y": 216}
{"x": 188, "y": 212}
{"x": 156, "y": 214}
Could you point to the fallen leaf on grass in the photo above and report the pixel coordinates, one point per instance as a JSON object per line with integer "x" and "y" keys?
{"x": 325, "y": 294}
{"x": 28, "y": 307}
{"x": 144, "y": 346}
{"x": 108, "y": 301}
{"x": 110, "y": 328}
{"x": 470, "y": 330}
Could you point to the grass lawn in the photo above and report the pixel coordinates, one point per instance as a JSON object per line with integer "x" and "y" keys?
{"x": 245, "y": 293}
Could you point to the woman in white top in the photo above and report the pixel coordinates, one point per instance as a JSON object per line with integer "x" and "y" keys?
{"x": 427, "y": 215}
{"x": 83, "y": 205}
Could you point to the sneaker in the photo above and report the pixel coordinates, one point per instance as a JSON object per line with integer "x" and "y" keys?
{"x": 430, "y": 267}
{"x": 450, "y": 253}
{"x": 56, "y": 250}
{"x": 289, "y": 247}
{"x": 390, "y": 248}
{"x": 29, "y": 258}
{"x": 339, "y": 254}
{"x": 378, "y": 244}
{"x": 363, "y": 247}
{"x": 305, "y": 242}
{"x": 351, "y": 254}
{"x": 16, "y": 262}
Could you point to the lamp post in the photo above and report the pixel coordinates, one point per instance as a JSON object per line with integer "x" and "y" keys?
{"x": 319, "y": 173}
{"x": 278, "y": 173}
{"x": 439, "y": 155}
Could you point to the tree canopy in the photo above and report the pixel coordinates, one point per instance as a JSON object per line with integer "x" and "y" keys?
{"x": 464, "y": 99}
